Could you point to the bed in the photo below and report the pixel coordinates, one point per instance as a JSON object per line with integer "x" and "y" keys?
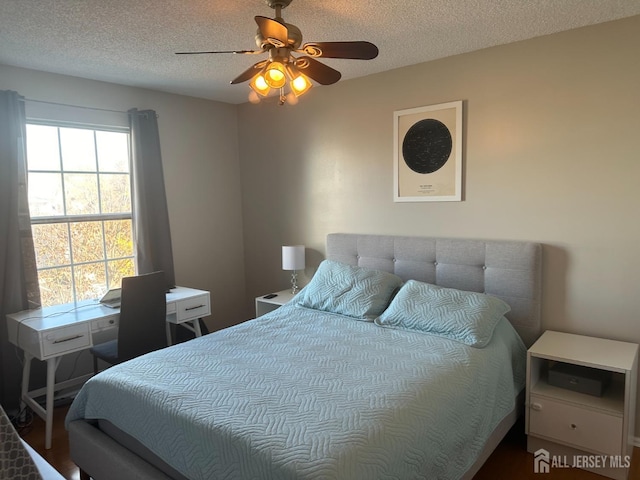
{"x": 345, "y": 381}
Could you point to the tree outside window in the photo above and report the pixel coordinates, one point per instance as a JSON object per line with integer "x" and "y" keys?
{"x": 80, "y": 206}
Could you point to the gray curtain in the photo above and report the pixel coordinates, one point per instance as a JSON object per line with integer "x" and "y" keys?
{"x": 152, "y": 234}
{"x": 18, "y": 275}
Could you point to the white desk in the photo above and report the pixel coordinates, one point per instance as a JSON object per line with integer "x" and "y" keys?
{"x": 51, "y": 332}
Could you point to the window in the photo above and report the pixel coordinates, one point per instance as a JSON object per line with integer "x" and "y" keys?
{"x": 80, "y": 206}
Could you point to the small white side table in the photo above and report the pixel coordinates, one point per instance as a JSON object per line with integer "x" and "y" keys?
{"x": 266, "y": 305}
{"x": 562, "y": 423}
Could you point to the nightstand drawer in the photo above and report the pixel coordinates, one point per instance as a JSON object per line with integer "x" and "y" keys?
{"x": 575, "y": 426}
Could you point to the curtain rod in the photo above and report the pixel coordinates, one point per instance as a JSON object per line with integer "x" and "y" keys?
{"x": 74, "y": 106}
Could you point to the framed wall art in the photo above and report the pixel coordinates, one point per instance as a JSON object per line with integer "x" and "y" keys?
{"x": 427, "y": 158}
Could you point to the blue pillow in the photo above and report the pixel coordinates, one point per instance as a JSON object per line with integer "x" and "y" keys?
{"x": 466, "y": 317}
{"x": 357, "y": 292}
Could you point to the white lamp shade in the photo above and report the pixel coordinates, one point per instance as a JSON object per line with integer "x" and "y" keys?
{"x": 293, "y": 257}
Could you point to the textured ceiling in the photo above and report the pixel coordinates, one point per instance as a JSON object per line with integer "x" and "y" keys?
{"x": 133, "y": 42}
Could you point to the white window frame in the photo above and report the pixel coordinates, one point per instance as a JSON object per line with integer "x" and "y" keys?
{"x": 69, "y": 219}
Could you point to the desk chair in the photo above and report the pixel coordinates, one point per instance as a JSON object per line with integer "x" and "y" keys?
{"x": 143, "y": 317}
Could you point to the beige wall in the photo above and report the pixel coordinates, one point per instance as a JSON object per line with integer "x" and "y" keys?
{"x": 202, "y": 176}
{"x": 552, "y": 154}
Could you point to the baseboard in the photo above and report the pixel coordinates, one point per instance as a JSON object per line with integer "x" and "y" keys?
{"x": 636, "y": 442}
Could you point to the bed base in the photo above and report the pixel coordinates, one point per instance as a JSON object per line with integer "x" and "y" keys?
{"x": 102, "y": 458}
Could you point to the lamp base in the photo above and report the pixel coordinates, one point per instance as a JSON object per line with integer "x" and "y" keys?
{"x": 294, "y": 282}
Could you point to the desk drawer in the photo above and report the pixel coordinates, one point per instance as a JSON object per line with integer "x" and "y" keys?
{"x": 65, "y": 339}
{"x": 571, "y": 424}
{"x": 106, "y": 323}
{"x": 192, "y": 308}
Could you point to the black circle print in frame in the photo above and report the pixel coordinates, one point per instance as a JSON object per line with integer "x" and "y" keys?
{"x": 427, "y": 146}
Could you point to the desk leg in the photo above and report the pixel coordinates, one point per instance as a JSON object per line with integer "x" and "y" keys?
{"x": 168, "y": 330}
{"x": 52, "y": 365}
{"x": 196, "y": 327}
{"x": 26, "y": 374}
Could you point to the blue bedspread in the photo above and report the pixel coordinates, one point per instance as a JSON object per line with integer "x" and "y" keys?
{"x": 302, "y": 394}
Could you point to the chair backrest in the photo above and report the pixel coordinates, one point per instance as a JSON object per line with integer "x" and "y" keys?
{"x": 143, "y": 315}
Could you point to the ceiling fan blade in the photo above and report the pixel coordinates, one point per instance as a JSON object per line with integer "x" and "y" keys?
{"x": 222, "y": 51}
{"x": 319, "y": 72}
{"x": 273, "y": 31}
{"x": 350, "y": 50}
{"x": 249, "y": 73}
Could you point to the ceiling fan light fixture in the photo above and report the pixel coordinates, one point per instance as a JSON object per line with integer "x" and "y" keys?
{"x": 291, "y": 98}
{"x": 274, "y": 75}
{"x": 300, "y": 83}
{"x": 282, "y": 71}
{"x": 259, "y": 85}
{"x": 253, "y": 97}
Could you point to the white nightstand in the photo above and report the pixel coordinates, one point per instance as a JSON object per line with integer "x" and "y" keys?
{"x": 266, "y": 305}
{"x": 577, "y": 429}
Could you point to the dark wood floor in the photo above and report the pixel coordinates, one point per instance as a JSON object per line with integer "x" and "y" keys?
{"x": 58, "y": 455}
{"x": 510, "y": 461}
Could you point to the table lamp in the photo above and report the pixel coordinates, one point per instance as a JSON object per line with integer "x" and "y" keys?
{"x": 293, "y": 259}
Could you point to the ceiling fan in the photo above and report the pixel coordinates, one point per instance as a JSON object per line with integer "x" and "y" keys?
{"x": 290, "y": 62}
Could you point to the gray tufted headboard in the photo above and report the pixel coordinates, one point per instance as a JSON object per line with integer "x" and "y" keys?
{"x": 510, "y": 270}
